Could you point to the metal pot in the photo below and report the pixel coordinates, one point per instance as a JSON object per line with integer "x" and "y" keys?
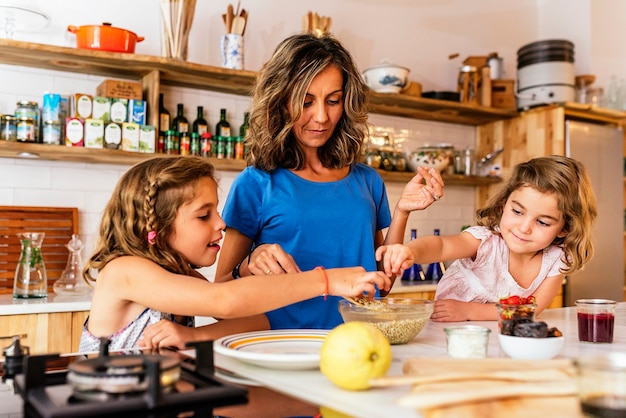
{"x": 105, "y": 38}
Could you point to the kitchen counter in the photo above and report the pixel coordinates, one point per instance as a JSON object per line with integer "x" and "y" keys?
{"x": 401, "y": 288}
{"x": 52, "y": 304}
{"x": 313, "y": 387}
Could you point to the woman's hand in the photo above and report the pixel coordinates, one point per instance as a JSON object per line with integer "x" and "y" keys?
{"x": 271, "y": 259}
{"x": 354, "y": 281}
{"x": 395, "y": 258}
{"x": 421, "y": 191}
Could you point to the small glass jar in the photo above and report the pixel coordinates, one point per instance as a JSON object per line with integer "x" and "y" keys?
{"x": 467, "y": 341}
{"x": 8, "y": 128}
{"x": 25, "y": 131}
{"x": 27, "y": 109}
{"x": 51, "y": 132}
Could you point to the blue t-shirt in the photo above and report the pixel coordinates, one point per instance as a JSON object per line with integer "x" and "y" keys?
{"x": 328, "y": 224}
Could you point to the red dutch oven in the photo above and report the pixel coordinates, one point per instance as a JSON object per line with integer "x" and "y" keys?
{"x": 105, "y": 38}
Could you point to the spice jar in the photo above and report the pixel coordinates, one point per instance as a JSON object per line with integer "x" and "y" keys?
{"x": 8, "y": 128}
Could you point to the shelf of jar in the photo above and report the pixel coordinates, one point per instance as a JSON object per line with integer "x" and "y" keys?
{"x": 156, "y": 70}
{"x": 94, "y": 155}
{"x": 448, "y": 179}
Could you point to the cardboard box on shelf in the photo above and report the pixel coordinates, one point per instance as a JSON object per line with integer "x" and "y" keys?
{"x": 120, "y": 89}
{"x": 503, "y": 94}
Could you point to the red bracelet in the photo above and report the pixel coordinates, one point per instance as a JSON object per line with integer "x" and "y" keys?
{"x": 325, "y": 277}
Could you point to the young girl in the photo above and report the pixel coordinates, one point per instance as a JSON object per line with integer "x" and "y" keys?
{"x": 537, "y": 229}
{"x": 160, "y": 224}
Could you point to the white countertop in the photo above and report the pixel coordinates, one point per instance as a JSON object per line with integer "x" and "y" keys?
{"x": 53, "y": 303}
{"x": 313, "y": 387}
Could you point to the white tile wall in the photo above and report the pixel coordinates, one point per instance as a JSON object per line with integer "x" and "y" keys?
{"x": 88, "y": 186}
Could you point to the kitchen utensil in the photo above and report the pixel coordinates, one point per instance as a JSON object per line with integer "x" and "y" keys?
{"x": 105, "y": 37}
{"x": 177, "y": 16}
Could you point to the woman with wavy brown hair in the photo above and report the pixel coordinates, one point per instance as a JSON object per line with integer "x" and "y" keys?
{"x": 306, "y": 200}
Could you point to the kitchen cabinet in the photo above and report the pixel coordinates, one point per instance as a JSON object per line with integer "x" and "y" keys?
{"x": 154, "y": 71}
{"x": 56, "y": 332}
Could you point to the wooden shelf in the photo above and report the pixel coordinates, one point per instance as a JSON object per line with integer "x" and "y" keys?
{"x": 158, "y": 70}
{"x": 448, "y": 179}
{"x": 93, "y": 155}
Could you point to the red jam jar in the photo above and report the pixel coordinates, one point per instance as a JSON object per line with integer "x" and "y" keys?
{"x": 596, "y": 320}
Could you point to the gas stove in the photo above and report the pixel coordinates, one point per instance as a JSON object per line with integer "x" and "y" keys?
{"x": 134, "y": 383}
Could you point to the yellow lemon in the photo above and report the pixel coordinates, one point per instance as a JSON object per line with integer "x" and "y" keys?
{"x": 353, "y": 353}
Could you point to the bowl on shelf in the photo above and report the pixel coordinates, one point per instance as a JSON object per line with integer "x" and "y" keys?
{"x": 386, "y": 78}
{"x": 430, "y": 157}
{"x": 528, "y": 348}
{"x": 400, "y": 319}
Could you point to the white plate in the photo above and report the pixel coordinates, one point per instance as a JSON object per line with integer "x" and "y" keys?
{"x": 292, "y": 349}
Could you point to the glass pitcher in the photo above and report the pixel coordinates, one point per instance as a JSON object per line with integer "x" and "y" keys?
{"x": 30, "y": 280}
{"x": 70, "y": 282}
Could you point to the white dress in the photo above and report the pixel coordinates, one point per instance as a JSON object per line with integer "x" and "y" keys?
{"x": 487, "y": 279}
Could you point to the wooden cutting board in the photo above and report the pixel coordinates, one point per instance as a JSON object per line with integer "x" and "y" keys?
{"x": 492, "y": 387}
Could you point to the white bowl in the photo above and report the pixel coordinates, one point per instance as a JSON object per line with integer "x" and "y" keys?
{"x": 429, "y": 157}
{"x": 386, "y": 78}
{"x": 523, "y": 348}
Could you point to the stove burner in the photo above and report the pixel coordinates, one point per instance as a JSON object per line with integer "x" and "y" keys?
{"x": 96, "y": 379}
{"x": 170, "y": 385}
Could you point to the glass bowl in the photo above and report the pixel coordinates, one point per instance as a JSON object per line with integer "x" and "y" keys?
{"x": 510, "y": 315}
{"x": 400, "y": 319}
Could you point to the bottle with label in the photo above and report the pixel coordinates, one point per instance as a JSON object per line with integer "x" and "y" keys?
{"x": 240, "y": 142}
{"x": 435, "y": 270}
{"x": 200, "y": 125}
{"x": 180, "y": 123}
{"x": 164, "y": 116}
{"x": 222, "y": 128}
{"x": 195, "y": 146}
{"x": 415, "y": 273}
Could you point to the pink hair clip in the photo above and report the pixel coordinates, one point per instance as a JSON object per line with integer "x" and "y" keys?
{"x": 151, "y": 237}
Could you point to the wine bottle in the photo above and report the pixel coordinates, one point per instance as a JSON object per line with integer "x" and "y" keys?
{"x": 414, "y": 273}
{"x": 180, "y": 123}
{"x": 243, "y": 131}
{"x": 164, "y": 116}
{"x": 222, "y": 129}
{"x": 200, "y": 125}
{"x": 435, "y": 270}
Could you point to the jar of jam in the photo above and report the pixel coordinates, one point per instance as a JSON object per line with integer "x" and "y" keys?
{"x": 8, "y": 128}
{"x": 27, "y": 109}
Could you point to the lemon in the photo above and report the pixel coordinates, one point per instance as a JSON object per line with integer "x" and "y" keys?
{"x": 353, "y": 353}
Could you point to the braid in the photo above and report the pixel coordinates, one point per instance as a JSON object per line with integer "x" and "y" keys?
{"x": 148, "y": 206}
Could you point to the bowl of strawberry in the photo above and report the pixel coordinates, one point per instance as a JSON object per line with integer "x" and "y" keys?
{"x": 521, "y": 337}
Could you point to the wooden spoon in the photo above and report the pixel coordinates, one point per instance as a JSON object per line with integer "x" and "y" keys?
{"x": 239, "y": 24}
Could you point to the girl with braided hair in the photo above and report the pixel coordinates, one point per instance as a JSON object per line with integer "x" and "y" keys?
{"x": 160, "y": 224}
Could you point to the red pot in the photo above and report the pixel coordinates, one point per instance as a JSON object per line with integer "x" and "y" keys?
{"x": 105, "y": 38}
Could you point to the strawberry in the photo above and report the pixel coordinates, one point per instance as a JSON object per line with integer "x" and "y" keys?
{"x": 531, "y": 300}
{"x": 514, "y": 300}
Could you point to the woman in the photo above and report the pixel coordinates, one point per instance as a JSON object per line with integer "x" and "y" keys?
{"x": 305, "y": 200}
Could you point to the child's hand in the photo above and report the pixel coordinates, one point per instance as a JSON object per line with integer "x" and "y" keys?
{"x": 354, "y": 281}
{"x": 395, "y": 257}
{"x": 166, "y": 334}
{"x": 450, "y": 310}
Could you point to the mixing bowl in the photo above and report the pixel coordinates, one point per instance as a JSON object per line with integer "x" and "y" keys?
{"x": 400, "y": 319}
